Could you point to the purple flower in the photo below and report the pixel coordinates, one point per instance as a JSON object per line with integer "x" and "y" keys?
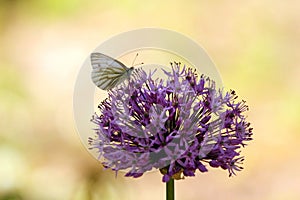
{"x": 178, "y": 125}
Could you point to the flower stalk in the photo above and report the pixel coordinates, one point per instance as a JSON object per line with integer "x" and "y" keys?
{"x": 170, "y": 189}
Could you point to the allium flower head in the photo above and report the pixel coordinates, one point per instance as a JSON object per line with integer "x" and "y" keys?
{"x": 179, "y": 125}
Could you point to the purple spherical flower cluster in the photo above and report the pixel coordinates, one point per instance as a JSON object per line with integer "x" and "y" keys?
{"x": 177, "y": 125}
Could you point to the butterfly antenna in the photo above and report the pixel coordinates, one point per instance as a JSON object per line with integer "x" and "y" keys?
{"x": 135, "y": 60}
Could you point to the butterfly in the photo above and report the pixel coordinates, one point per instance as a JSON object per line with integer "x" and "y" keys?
{"x": 108, "y": 72}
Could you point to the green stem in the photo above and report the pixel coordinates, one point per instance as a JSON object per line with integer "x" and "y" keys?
{"x": 170, "y": 189}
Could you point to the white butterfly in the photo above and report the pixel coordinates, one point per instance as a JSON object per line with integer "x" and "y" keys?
{"x": 108, "y": 72}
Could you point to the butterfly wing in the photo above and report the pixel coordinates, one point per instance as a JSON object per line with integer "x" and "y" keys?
{"x": 107, "y": 72}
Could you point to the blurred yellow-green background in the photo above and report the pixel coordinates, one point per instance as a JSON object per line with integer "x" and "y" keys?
{"x": 43, "y": 43}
